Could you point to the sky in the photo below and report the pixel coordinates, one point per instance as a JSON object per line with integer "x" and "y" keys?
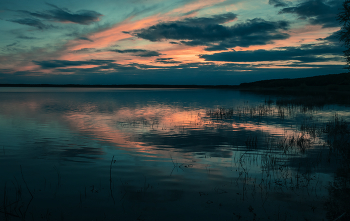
{"x": 201, "y": 42}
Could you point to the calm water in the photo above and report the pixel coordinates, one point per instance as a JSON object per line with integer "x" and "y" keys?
{"x": 162, "y": 154}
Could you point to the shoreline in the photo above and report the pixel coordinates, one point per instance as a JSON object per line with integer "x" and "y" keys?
{"x": 123, "y": 86}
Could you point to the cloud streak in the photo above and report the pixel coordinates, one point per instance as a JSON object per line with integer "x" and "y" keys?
{"x": 306, "y": 53}
{"x": 167, "y": 61}
{"x": 278, "y": 3}
{"x": 49, "y": 64}
{"x": 83, "y": 17}
{"x": 32, "y": 22}
{"x": 139, "y": 52}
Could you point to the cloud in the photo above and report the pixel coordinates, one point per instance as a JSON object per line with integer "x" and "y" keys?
{"x": 26, "y": 37}
{"x": 278, "y": 3}
{"x": 119, "y": 67}
{"x": 86, "y": 50}
{"x": 167, "y": 61}
{"x": 85, "y": 38}
{"x": 13, "y": 47}
{"x": 84, "y": 17}
{"x": 318, "y": 12}
{"x": 305, "y": 53}
{"x": 215, "y": 19}
{"x": 139, "y": 52}
{"x": 334, "y": 37}
{"x": 210, "y": 32}
{"x": 190, "y": 28}
{"x": 78, "y": 67}
{"x": 32, "y": 22}
{"x": 253, "y": 32}
{"x": 49, "y": 64}
{"x": 13, "y": 44}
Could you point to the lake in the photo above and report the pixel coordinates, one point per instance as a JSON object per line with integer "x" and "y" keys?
{"x": 171, "y": 154}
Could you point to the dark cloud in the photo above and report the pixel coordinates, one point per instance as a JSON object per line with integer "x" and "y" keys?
{"x": 84, "y": 17}
{"x": 216, "y": 19}
{"x": 32, "y": 22}
{"x": 100, "y": 69}
{"x": 219, "y": 47}
{"x": 86, "y": 50}
{"x": 139, "y": 52}
{"x": 258, "y": 25}
{"x": 210, "y": 32}
{"x": 13, "y": 47}
{"x": 102, "y": 66}
{"x": 190, "y": 28}
{"x": 26, "y": 37}
{"x": 191, "y": 12}
{"x": 195, "y": 42}
{"x": 305, "y": 53}
{"x": 278, "y": 3}
{"x": 13, "y": 44}
{"x": 49, "y": 64}
{"x": 118, "y": 67}
{"x": 85, "y": 38}
{"x": 253, "y": 32}
{"x": 167, "y": 61}
{"x": 334, "y": 37}
{"x": 318, "y": 12}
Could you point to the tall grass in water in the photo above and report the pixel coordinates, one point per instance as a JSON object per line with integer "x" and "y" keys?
{"x": 337, "y": 131}
{"x": 337, "y": 126}
{"x": 339, "y": 190}
{"x": 251, "y": 142}
{"x": 17, "y": 207}
{"x": 338, "y": 137}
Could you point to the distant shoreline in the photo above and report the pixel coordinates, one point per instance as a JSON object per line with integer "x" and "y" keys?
{"x": 338, "y": 83}
{"x": 123, "y": 86}
{"x": 331, "y": 82}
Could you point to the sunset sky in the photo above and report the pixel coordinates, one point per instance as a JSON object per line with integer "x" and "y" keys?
{"x": 167, "y": 42}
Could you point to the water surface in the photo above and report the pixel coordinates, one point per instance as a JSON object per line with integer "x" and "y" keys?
{"x": 162, "y": 154}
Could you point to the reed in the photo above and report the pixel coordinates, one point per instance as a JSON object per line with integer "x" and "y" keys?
{"x": 110, "y": 178}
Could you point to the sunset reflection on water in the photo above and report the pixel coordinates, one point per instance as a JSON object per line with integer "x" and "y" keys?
{"x": 178, "y": 147}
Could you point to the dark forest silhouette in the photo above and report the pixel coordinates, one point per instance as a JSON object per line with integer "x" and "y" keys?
{"x": 344, "y": 33}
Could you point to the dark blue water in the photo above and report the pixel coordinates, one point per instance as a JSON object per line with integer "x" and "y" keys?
{"x": 160, "y": 154}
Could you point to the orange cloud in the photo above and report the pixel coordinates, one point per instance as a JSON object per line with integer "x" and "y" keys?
{"x": 113, "y": 35}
